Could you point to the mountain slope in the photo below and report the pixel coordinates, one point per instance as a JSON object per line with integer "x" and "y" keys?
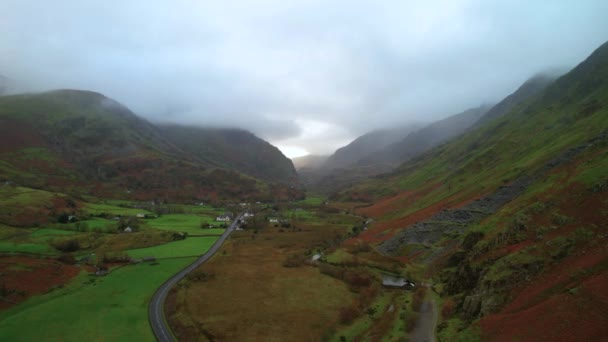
{"x": 365, "y": 145}
{"x": 233, "y": 149}
{"x": 426, "y": 138}
{"x": 507, "y": 216}
{"x": 389, "y": 157}
{"x": 85, "y": 143}
{"x": 530, "y": 88}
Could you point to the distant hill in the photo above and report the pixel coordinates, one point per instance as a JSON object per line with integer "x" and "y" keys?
{"x": 366, "y": 144}
{"x": 233, "y": 149}
{"x": 3, "y": 85}
{"x": 509, "y": 217}
{"x": 425, "y": 138}
{"x": 530, "y": 88}
{"x": 83, "y": 142}
{"x": 404, "y": 146}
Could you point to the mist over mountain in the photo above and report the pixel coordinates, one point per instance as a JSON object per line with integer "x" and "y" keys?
{"x": 304, "y": 170}
{"x": 403, "y": 146}
{"x": 527, "y": 90}
{"x": 309, "y": 162}
{"x": 233, "y": 149}
{"x": 482, "y": 209}
{"x": 305, "y": 75}
{"x": 3, "y": 85}
{"x": 425, "y": 138}
{"x": 387, "y": 158}
{"x": 82, "y": 140}
{"x": 367, "y": 144}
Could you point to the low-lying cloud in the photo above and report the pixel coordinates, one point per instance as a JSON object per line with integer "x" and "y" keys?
{"x": 305, "y": 74}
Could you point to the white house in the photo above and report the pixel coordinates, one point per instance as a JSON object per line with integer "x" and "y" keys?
{"x": 140, "y": 215}
{"x": 273, "y": 220}
{"x": 128, "y": 230}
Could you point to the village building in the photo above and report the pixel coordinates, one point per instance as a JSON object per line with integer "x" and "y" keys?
{"x": 397, "y": 282}
{"x": 225, "y": 217}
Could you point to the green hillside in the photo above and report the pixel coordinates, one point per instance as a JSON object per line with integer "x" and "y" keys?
{"x": 497, "y": 212}
{"x": 234, "y": 149}
{"x": 82, "y": 142}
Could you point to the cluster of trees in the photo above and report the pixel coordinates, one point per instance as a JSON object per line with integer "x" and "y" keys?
{"x": 67, "y": 246}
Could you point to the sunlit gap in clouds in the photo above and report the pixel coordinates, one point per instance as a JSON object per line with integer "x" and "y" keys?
{"x": 316, "y": 137}
{"x": 292, "y": 151}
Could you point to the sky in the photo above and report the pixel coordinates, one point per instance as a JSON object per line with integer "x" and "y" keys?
{"x": 308, "y": 76}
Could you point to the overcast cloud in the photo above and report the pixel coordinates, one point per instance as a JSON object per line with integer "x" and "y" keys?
{"x": 305, "y": 75}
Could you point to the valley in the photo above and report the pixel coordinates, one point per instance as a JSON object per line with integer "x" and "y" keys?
{"x": 287, "y": 171}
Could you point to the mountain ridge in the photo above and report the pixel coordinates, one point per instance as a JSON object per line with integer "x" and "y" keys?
{"x": 93, "y": 144}
{"x": 501, "y": 214}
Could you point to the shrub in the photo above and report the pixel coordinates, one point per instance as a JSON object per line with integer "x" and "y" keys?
{"x": 67, "y": 258}
{"x": 294, "y": 260}
{"x": 447, "y": 310}
{"x": 332, "y": 271}
{"x": 361, "y": 247}
{"x": 200, "y": 276}
{"x": 471, "y": 239}
{"x": 115, "y": 257}
{"x": 357, "y": 279}
{"x": 411, "y": 322}
{"x": 67, "y": 246}
{"x": 348, "y": 314}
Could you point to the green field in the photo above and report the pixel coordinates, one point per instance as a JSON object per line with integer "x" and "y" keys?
{"x": 110, "y": 308}
{"x": 191, "y": 246}
{"x": 27, "y": 247}
{"x": 312, "y": 200}
{"x": 50, "y": 233}
{"x": 23, "y": 196}
{"x": 98, "y": 208}
{"x": 27, "y": 240}
{"x": 188, "y": 223}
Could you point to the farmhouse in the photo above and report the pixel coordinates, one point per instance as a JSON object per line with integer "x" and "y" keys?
{"x": 397, "y": 282}
{"x": 225, "y": 217}
{"x": 140, "y": 215}
{"x": 273, "y": 220}
{"x": 128, "y": 230}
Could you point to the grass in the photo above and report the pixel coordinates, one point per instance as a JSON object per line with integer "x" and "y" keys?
{"x": 267, "y": 300}
{"x": 112, "y": 308}
{"x": 14, "y": 198}
{"x": 191, "y": 246}
{"x": 27, "y": 247}
{"x": 459, "y": 331}
{"x": 360, "y": 328}
{"x": 188, "y": 223}
{"x": 46, "y": 233}
{"x": 312, "y": 200}
{"x": 594, "y": 170}
{"x": 98, "y": 209}
{"x": 339, "y": 256}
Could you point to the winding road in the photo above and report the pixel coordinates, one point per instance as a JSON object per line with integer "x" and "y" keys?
{"x": 156, "y": 312}
{"x": 424, "y": 331}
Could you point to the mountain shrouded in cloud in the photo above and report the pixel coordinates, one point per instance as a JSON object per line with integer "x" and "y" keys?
{"x": 284, "y": 69}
